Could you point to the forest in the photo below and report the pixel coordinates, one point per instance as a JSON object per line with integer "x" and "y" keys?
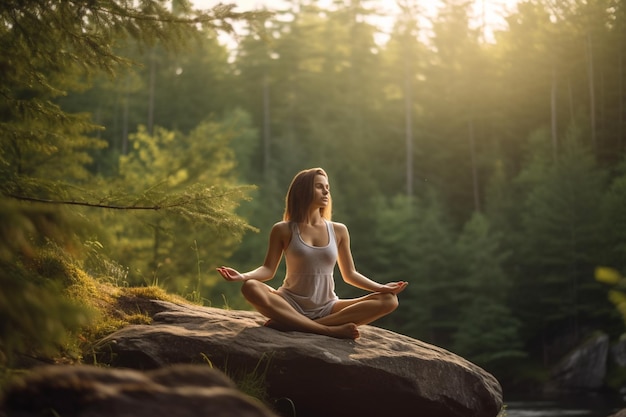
{"x": 489, "y": 173}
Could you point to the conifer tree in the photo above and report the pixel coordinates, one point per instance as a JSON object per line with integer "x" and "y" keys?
{"x": 192, "y": 166}
{"x": 50, "y": 48}
{"x": 487, "y": 332}
{"x": 562, "y": 217}
{"x": 53, "y": 47}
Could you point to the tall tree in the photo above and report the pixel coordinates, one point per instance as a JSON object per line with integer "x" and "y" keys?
{"x": 562, "y": 218}
{"x": 527, "y": 66}
{"x": 404, "y": 58}
{"x": 414, "y": 242}
{"x": 614, "y": 221}
{"x": 487, "y": 331}
{"x": 37, "y": 134}
{"x": 457, "y": 87}
{"x": 160, "y": 247}
{"x": 44, "y": 150}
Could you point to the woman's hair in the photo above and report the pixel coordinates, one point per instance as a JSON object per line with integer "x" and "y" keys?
{"x": 300, "y": 196}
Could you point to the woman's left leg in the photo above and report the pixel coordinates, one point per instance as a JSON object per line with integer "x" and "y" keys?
{"x": 362, "y": 310}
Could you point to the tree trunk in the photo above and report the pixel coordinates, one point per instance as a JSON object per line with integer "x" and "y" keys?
{"x": 155, "y": 250}
{"x": 408, "y": 117}
{"x": 592, "y": 94}
{"x": 555, "y": 141}
{"x": 151, "y": 92}
{"x": 125, "y": 115}
{"x": 620, "y": 83}
{"x": 570, "y": 92}
{"x": 475, "y": 185}
{"x": 266, "y": 126}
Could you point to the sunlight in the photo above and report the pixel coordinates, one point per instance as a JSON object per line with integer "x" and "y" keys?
{"x": 487, "y": 14}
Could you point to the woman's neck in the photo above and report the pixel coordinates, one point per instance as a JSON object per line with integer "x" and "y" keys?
{"x": 314, "y": 217}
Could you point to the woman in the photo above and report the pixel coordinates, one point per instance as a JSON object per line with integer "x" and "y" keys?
{"x": 312, "y": 245}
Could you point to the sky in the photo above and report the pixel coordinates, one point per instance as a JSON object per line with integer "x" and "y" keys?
{"x": 492, "y": 11}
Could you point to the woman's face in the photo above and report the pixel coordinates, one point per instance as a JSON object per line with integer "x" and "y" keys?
{"x": 321, "y": 191}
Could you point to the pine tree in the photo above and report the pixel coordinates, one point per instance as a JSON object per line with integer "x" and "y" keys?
{"x": 50, "y": 48}
{"x": 487, "y": 331}
{"x": 47, "y": 46}
{"x": 559, "y": 247}
{"x": 201, "y": 166}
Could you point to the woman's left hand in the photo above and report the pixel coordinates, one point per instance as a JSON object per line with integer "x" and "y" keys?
{"x": 394, "y": 287}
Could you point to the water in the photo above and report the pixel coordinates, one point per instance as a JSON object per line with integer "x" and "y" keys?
{"x": 584, "y": 405}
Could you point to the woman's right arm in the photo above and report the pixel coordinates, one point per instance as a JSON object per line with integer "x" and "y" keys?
{"x": 278, "y": 241}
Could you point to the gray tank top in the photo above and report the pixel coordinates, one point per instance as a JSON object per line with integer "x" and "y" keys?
{"x": 309, "y": 285}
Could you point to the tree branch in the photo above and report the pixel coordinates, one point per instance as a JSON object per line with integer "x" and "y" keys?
{"x": 179, "y": 202}
{"x": 88, "y": 204}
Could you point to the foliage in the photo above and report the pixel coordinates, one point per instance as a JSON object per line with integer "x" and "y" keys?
{"x": 617, "y": 294}
{"x": 36, "y": 305}
{"x": 46, "y": 47}
{"x": 614, "y": 220}
{"x": 487, "y": 332}
{"x": 36, "y": 314}
{"x": 49, "y": 50}
{"x": 192, "y": 174}
{"x": 414, "y": 235}
{"x": 491, "y": 338}
{"x": 561, "y": 215}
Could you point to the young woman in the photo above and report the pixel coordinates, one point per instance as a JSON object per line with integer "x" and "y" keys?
{"x": 312, "y": 245}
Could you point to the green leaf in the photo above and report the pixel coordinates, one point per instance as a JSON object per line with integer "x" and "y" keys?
{"x": 607, "y": 275}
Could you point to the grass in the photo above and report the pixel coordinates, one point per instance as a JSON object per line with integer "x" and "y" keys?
{"x": 118, "y": 307}
{"x": 103, "y": 307}
{"x": 252, "y": 382}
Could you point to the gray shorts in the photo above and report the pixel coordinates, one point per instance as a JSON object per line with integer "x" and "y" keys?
{"x": 313, "y": 313}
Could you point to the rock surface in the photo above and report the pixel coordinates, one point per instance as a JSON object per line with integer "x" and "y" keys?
{"x": 382, "y": 373}
{"x": 89, "y": 391}
{"x": 584, "y": 368}
{"x": 618, "y": 351}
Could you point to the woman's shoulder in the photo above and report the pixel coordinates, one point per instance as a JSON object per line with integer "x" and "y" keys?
{"x": 339, "y": 228}
{"x": 281, "y": 233}
{"x": 282, "y": 227}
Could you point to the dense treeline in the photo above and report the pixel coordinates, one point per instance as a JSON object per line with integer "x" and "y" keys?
{"x": 490, "y": 175}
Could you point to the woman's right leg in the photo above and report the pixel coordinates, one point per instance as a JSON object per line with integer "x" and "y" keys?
{"x": 273, "y": 306}
{"x": 362, "y": 310}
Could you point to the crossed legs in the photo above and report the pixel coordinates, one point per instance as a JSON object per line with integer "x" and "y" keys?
{"x": 362, "y": 310}
{"x": 341, "y": 323}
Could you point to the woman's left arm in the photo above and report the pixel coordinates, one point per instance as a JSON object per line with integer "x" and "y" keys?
{"x": 348, "y": 271}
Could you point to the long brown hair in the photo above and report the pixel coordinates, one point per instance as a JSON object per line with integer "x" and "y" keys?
{"x": 300, "y": 196}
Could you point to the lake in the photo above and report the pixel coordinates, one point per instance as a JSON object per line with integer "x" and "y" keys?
{"x": 584, "y": 405}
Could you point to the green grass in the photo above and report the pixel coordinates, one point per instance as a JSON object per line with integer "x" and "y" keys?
{"x": 100, "y": 307}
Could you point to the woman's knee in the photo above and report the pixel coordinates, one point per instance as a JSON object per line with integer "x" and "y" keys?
{"x": 255, "y": 292}
{"x": 389, "y": 302}
{"x": 251, "y": 289}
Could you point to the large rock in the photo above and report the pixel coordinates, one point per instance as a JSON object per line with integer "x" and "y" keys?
{"x": 618, "y": 351}
{"x": 584, "y": 368}
{"x": 89, "y": 391}
{"x": 381, "y": 373}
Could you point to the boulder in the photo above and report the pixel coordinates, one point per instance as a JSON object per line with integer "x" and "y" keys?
{"x": 618, "y": 351}
{"x": 90, "y": 391}
{"x": 584, "y": 368}
{"x": 381, "y": 373}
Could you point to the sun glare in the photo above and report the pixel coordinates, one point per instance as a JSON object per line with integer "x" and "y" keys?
{"x": 487, "y": 15}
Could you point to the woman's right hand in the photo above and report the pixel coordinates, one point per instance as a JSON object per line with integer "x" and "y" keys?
{"x": 230, "y": 274}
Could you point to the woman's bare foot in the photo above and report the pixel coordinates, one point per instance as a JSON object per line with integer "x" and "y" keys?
{"x": 344, "y": 331}
{"x": 273, "y": 324}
